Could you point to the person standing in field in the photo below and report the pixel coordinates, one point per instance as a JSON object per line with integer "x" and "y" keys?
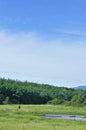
{"x": 19, "y": 107}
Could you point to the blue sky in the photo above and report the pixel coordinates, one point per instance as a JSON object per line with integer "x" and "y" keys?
{"x": 43, "y": 41}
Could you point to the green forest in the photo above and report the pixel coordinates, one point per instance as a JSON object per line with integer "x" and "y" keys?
{"x": 18, "y": 92}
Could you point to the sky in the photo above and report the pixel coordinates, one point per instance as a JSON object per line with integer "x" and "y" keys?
{"x": 43, "y": 41}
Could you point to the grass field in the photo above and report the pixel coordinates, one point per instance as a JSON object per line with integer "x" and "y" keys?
{"x": 30, "y": 117}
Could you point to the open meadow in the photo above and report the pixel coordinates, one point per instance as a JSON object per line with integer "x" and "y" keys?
{"x": 30, "y": 117}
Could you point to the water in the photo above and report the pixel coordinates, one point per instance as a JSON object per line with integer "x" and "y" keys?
{"x": 66, "y": 117}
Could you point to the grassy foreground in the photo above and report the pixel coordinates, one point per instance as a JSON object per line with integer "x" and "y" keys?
{"x": 30, "y": 117}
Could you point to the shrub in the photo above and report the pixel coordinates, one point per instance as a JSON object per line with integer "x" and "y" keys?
{"x": 6, "y": 101}
{"x": 56, "y": 101}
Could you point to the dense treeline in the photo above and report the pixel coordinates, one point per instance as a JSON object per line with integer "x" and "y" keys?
{"x": 17, "y": 92}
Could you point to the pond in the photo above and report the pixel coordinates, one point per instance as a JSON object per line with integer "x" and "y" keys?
{"x": 66, "y": 117}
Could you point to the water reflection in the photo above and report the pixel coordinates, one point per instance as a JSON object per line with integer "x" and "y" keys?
{"x": 66, "y": 117}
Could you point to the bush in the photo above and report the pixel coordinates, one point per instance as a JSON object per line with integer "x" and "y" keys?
{"x": 56, "y": 101}
{"x": 6, "y": 101}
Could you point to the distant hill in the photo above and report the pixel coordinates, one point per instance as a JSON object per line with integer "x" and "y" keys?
{"x": 81, "y": 87}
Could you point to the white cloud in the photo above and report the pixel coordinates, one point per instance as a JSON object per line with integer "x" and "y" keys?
{"x": 26, "y": 56}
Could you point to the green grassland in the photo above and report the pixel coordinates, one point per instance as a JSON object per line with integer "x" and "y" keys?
{"x": 30, "y": 117}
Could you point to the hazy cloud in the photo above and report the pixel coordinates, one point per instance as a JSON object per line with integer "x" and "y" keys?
{"x": 27, "y": 56}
